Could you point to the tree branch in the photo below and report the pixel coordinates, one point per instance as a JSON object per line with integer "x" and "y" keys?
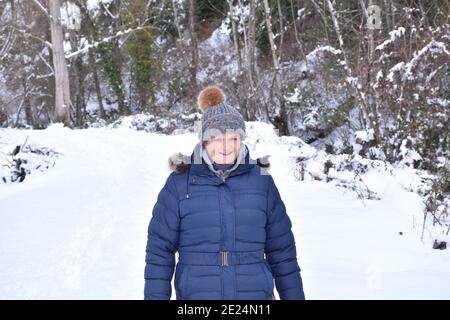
{"x": 42, "y": 8}
{"x": 29, "y": 34}
{"x": 97, "y": 43}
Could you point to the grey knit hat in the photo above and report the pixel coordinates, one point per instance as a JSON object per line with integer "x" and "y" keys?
{"x": 218, "y": 116}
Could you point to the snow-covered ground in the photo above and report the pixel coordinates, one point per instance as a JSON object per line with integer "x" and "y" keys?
{"x": 78, "y": 230}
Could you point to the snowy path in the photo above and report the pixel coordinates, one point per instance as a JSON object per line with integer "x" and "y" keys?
{"x": 79, "y": 229}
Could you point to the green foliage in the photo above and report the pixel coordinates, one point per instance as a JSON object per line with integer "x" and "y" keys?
{"x": 108, "y": 66}
{"x": 144, "y": 65}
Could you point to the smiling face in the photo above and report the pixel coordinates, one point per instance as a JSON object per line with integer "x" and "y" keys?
{"x": 224, "y": 147}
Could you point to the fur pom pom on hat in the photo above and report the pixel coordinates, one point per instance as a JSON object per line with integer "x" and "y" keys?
{"x": 218, "y": 115}
{"x": 210, "y": 96}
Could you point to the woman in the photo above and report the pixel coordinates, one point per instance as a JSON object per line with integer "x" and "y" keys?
{"x": 222, "y": 212}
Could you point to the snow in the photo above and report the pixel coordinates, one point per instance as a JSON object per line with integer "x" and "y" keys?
{"x": 218, "y": 38}
{"x": 217, "y": 54}
{"x": 407, "y": 70}
{"x": 225, "y": 27}
{"x": 434, "y": 47}
{"x": 322, "y": 49}
{"x": 393, "y": 36}
{"x": 92, "y": 105}
{"x": 397, "y": 68}
{"x": 78, "y": 230}
{"x": 240, "y": 14}
{"x": 295, "y": 97}
{"x": 352, "y": 81}
{"x": 95, "y": 5}
{"x": 70, "y": 16}
{"x": 364, "y": 135}
{"x": 379, "y": 76}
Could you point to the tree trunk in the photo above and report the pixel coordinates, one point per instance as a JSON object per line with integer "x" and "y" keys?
{"x": 176, "y": 19}
{"x": 237, "y": 50}
{"x": 252, "y": 38}
{"x": 62, "y": 89}
{"x": 76, "y": 77}
{"x": 98, "y": 91}
{"x": 29, "y": 112}
{"x": 194, "y": 50}
{"x": 296, "y": 33}
{"x": 370, "y": 44}
{"x": 93, "y": 37}
{"x": 392, "y": 10}
{"x": 280, "y": 15}
{"x": 280, "y": 120}
{"x": 368, "y": 116}
{"x": 372, "y": 100}
{"x": 239, "y": 83}
{"x": 252, "y": 71}
{"x": 117, "y": 57}
{"x": 273, "y": 47}
{"x": 324, "y": 18}
{"x": 387, "y": 10}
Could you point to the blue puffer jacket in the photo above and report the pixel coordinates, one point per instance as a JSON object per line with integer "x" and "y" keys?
{"x": 233, "y": 237}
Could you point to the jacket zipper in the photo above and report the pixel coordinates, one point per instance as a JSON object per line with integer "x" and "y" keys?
{"x": 221, "y": 242}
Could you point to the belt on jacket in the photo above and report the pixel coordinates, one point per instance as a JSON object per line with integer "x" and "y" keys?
{"x": 221, "y": 258}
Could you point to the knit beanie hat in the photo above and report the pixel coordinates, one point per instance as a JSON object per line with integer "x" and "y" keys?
{"x": 218, "y": 116}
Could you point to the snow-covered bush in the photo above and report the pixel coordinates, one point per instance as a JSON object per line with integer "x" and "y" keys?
{"x": 437, "y": 209}
{"x": 317, "y": 100}
{"x": 18, "y": 161}
{"x": 349, "y": 171}
{"x": 413, "y": 94}
{"x": 152, "y": 123}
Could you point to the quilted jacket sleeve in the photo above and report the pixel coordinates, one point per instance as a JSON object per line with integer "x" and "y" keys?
{"x": 162, "y": 243}
{"x": 280, "y": 248}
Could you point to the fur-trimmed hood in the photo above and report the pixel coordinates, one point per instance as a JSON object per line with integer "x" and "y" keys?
{"x": 181, "y": 163}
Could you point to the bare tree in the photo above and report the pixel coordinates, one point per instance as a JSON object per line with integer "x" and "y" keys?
{"x": 273, "y": 47}
{"x": 194, "y": 50}
{"x": 249, "y": 41}
{"x": 252, "y": 42}
{"x": 323, "y": 15}
{"x": 280, "y": 121}
{"x": 92, "y": 37}
{"x": 281, "y": 34}
{"x": 176, "y": 19}
{"x": 296, "y": 33}
{"x": 6, "y": 26}
{"x": 239, "y": 82}
{"x": 361, "y": 97}
{"x": 98, "y": 91}
{"x": 62, "y": 85}
{"x": 237, "y": 50}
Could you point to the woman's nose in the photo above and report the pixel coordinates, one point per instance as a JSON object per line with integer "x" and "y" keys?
{"x": 224, "y": 144}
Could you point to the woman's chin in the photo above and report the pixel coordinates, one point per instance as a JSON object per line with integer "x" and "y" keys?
{"x": 225, "y": 160}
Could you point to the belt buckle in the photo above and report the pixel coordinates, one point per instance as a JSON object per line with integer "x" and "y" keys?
{"x": 224, "y": 258}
